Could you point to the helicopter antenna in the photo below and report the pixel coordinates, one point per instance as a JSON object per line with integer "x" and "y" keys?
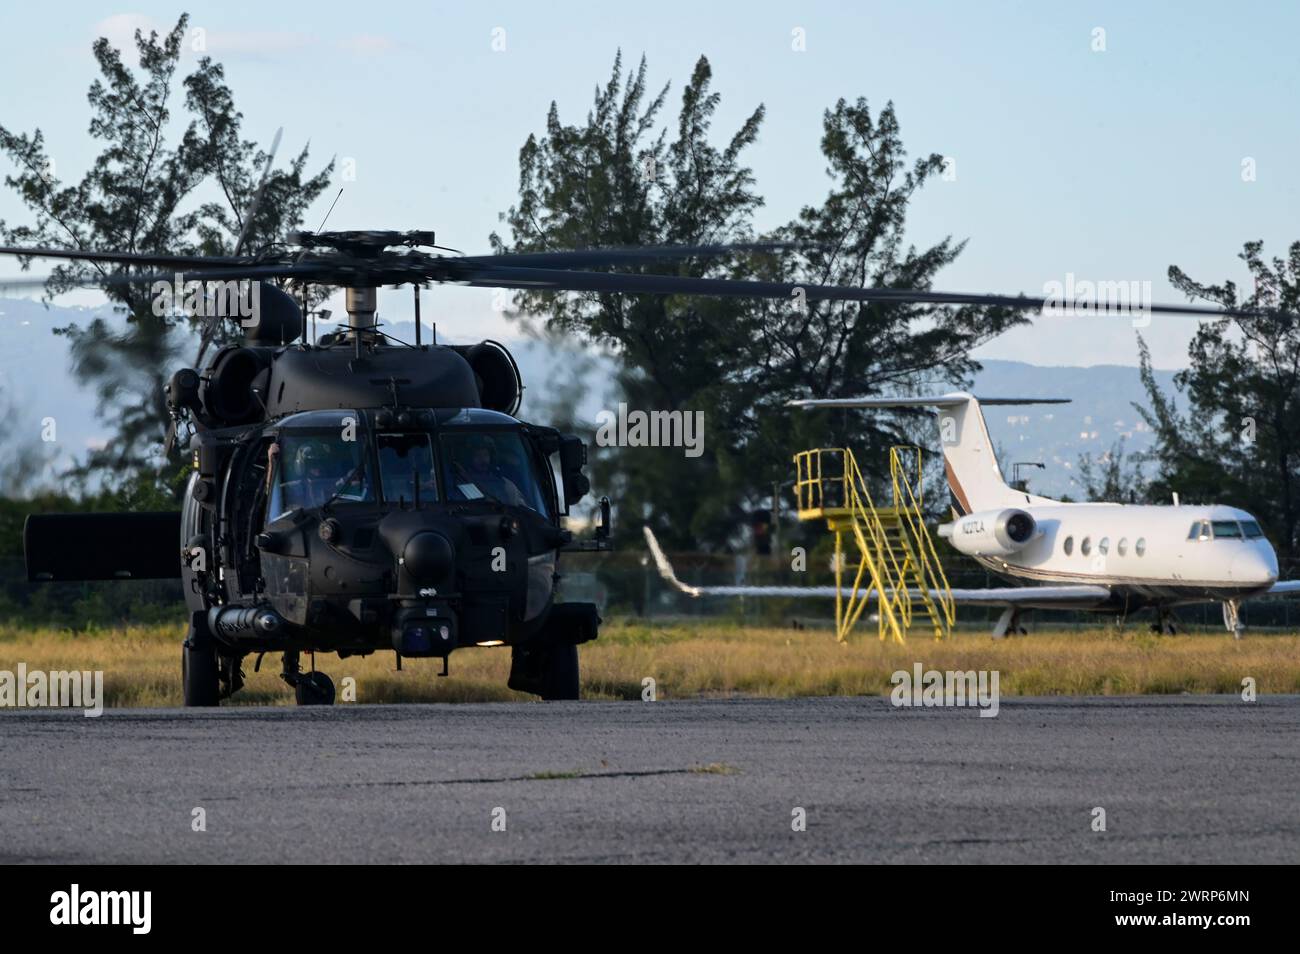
{"x": 417, "y": 314}
{"x": 306, "y": 315}
{"x": 331, "y": 211}
{"x": 385, "y": 334}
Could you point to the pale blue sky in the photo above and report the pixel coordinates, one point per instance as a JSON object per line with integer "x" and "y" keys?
{"x": 1110, "y": 165}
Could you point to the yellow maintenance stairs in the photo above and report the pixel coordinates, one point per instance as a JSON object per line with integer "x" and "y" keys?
{"x": 896, "y": 558}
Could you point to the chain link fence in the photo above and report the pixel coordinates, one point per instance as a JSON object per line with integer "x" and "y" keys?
{"x": 623, "y": 583}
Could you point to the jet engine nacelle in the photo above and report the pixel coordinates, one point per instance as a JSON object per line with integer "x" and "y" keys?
{"x": 991, "y": 532}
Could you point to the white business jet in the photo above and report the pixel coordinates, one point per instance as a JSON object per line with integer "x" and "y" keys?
{"x": 1104, "y": 557}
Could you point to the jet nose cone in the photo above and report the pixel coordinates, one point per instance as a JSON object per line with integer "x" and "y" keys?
{"x": 1254, "y": 568}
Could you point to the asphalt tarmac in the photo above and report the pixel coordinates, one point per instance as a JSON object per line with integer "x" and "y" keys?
{"x": 1180, "y": 779}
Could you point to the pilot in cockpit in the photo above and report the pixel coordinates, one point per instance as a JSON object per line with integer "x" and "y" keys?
{"x": 313, "y": 471}
{"x": 477, "y": 474}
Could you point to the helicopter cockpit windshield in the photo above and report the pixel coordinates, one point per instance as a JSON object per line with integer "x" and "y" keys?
{"x": 312, "y": 467}
{"x": 406, "y": 466}
{"x": 492, "y": 465}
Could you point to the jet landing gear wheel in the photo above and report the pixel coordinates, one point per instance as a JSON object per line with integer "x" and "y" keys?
{"x": 200, "y": 674}
{"x": 1232, "y": 618}
{"x": 550, "y": 672}
{"x": 1166, "y": 623}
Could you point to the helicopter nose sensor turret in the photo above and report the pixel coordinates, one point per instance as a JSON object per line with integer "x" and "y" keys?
{"x": 428, "y": 557}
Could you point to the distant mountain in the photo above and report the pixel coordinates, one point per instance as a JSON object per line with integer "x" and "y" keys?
{"x": 36, "y": 388}
{"x": 36, "y": 384}
{"x": 1101, "y": 413}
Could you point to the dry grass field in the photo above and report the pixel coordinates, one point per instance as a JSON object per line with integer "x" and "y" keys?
{"x": 141, "y": 664}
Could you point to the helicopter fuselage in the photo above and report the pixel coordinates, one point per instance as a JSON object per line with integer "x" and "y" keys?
{"x": 373, "y": 505}
{"x": 354, "y": 496}
{"x": 393, "y": 541}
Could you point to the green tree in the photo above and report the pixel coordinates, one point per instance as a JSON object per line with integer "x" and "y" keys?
{"x": 134, "y": 199}
{"x": 619, "y": 178}
{"x": 1115, "y": 477}
{"x": 1238, "y": 440}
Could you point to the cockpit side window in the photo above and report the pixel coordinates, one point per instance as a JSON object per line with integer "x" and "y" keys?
{"x": 309, "y": 469}
{"x": 493, "y": 465}
{"x": 1251, "y": 529}
{"x": 1200, "y": 530}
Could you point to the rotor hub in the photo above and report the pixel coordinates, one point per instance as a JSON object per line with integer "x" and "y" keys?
{"x": 361, "y": 304}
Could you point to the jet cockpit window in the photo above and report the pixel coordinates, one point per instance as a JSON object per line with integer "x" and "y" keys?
{"x": 492, "y": 465}
{"x": 1251, "y": 529}
{"x": 1200, "y": 530}
{"x": 405, "y": 459}
{"x": 307, "y": 470}
{"x": 1227, "y": 530}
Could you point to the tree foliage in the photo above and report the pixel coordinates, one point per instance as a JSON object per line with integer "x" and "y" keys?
{"x": 151, "y": 191}
{"x": 1238, "y": 439}
{"x": 1115, "y": 477}
{"x": 626, "y": 176}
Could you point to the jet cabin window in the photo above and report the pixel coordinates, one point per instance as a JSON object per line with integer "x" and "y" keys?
{"x": 307, "y": 470}
{"x": 492, "y": 465}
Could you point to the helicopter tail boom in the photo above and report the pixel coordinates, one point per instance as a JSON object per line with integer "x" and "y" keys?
{"x": 102, "y": 546}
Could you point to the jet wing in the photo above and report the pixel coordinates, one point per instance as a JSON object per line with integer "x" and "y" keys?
{"x": 1076, "y": 596}
{"x": 1282, "y": 588}
{"x": 1071, "y": 596}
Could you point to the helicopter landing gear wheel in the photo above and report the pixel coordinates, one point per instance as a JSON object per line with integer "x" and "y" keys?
{"x": 550, "y": 672}
{"x": 309, "y": 688}
{"x": 560, "y": 677}
{"x": 200, "y": 674}
{"x": 314, "y": 689}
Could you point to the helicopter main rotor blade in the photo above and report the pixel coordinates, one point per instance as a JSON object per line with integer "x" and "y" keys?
{"x": 251, "y": 272}
{"x": 27, "y": 283}
{"x": 257, "y": 196}
{"x": 598, "y": 257}
{"x": 122, "y": 258}
{"x": 557, "y": 271}
{"x": 236, "y": 273}
{"x": 541, "y": 279}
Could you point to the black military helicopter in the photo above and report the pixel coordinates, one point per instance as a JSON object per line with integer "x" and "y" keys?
{"x": 355, "y": 493}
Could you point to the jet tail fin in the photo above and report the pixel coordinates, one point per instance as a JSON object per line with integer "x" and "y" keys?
{"x": 969, "y": 462}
